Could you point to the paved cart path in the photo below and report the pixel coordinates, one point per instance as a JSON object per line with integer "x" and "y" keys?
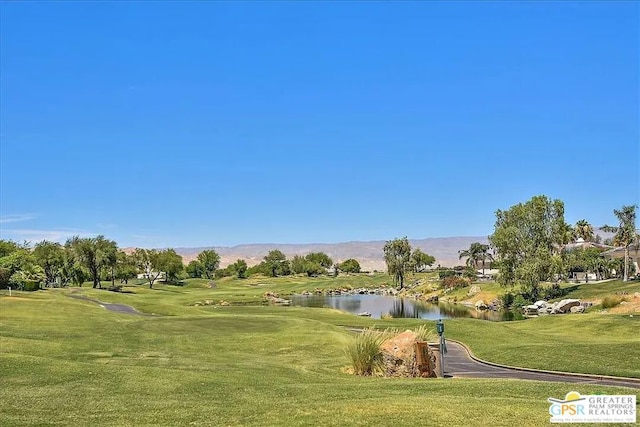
{"x": 459, "y": 363}
{"x": 118, "y": 308}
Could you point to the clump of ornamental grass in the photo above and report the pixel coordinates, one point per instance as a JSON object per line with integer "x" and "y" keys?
{"x": 426, "y": 334}
{"x": 364, "y": 352}
{"x": 610, "y": 302}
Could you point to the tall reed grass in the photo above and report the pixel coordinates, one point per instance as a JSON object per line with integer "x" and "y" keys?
{"x": 364, "y": 352}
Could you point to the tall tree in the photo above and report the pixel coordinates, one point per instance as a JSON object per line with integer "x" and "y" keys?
{"x": 313, "y": 264}
{"x": 73, "y": 271}
{"x": 420, "y": 260}
{"x": 484, "y": 255}
{"x": 471, "y": 254}
{"x": 526, "y": 236}
{"x": 49, "y": 256}
{"x": 298, "y": 264}
{"x": 194, "y": 269}
{"x": 397, "y": 255}
{"x": 210, "y": 261}
{"x": 93, "y": 253}
{"x": 18, "y": 266}
{"x": 320, "y": 258}
{"x": 584, "y": 230}
{"x": 240, "y": 267}
{"x": 153, "y": 263}
{"x": 170, "y": 263}
{"x": 125, "y": 268}
{"x": 476, "y": 253}
{"x": 349, "y": 266}
{"x": 276, "y": 263}
{"x": 626, "y": 234}
{"x": 146, "y": 261}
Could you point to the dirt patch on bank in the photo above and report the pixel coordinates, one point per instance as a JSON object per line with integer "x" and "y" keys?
{"x": 631, "y": 305}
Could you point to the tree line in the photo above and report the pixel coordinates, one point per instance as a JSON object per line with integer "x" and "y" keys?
{"x": 274, "y": 264}
{"x": 532, "y": 243}
{"x": 98, "y": 259}
{"x": 94, "y": 259}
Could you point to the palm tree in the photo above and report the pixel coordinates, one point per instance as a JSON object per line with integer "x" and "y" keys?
{"x": 565, "y": 235}
{"x": 470, "y": 255}
{"x": 484, "y": 255}
{"x": 477, "y": 252}
{"x": 584, "y": 230}
{"x": 626, "y": 234}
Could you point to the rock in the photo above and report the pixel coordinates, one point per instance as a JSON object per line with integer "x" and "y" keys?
{"x": 530, "y": 310}
{"x": 224, "y": 303}
{"x": 364, "y": 314}
{"x": 399, "y": 357}
{"x": 564, "y": 306}
{"x": 480, "y": 305}
{"x": 433, "y": 299}
{"x": 577, "y": 309}
{"x": 473, "y": 290}
{"x": 540, "y": 304}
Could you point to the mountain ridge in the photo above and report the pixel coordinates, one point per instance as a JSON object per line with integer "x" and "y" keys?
{"x": 369, "y": 254}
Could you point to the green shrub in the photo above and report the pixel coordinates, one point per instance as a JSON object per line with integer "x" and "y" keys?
{"x": 455, "y": 282}
{"x": 519, "y": 302}
{"x": 470, "y": 273}
{"x": 507, "y": 299}
{"x": 553, "y": 291}
{"x": 364, "y": 352}
{"x": 610, "y": 302}
{"x": 31, "y": 286}
{"x": 443, "y": 274}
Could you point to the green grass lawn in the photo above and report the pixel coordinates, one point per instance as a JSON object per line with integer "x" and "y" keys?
{"x": 591, "y": 291}
{"x": 588, "y": 343}
{"x": 70, "y": 362}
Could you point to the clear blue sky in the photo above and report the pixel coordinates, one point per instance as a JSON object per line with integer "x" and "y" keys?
{"x": 206, "y": 123}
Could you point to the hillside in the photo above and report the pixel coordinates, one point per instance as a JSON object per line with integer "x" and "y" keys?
{"x": 369, "y": 254}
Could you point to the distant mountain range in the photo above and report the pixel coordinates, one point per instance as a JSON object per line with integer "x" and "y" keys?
{"x": 369, "y": 254}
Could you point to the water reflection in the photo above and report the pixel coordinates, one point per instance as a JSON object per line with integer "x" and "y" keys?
{"x": 380, "y": 305}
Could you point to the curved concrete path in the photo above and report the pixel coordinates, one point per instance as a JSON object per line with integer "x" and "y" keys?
{"x": 459, "y": 363}
{"x": 118, "y": 308}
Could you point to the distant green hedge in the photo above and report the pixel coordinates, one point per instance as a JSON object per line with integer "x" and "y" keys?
{"x": 31, "y": 286}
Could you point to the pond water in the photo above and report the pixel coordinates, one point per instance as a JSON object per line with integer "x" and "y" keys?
{"x": 380, "y": 305}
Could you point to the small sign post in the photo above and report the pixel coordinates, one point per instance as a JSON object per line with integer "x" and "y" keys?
{"x": 443, "y": 347}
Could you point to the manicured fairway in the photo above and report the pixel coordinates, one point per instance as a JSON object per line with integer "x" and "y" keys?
{"x": 70, "y": 362}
